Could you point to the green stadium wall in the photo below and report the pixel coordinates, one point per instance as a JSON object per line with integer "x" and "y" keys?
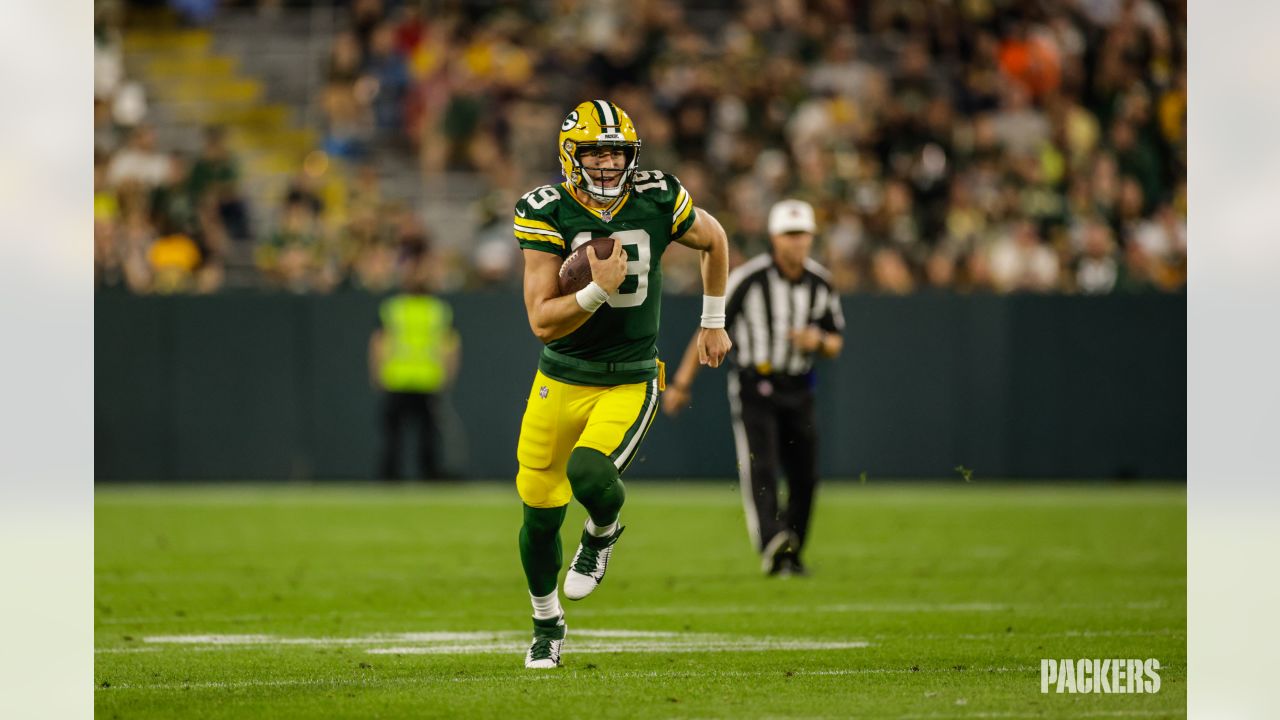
{"x": 274, "y": 386}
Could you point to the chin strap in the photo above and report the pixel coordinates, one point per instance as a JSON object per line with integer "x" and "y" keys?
{"x": 585, "y": 187}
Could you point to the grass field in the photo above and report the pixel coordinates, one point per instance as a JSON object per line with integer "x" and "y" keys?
{"x": 926, "y": 601}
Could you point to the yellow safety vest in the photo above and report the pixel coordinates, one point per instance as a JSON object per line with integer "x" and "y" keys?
{"x": 418, "y": 334}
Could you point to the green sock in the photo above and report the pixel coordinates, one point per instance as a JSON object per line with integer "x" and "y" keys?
{"x": 596, "y": 484}
{"x": 540, "y": 551}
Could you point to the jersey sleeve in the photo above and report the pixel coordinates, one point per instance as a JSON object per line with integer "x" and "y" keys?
{"x": 533, "y": 227}
{"x": 682, "y": 212}
{"x": 832, "y": 319}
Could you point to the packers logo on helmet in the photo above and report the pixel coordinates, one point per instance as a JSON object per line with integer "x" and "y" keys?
{"x": 595, "y": 124}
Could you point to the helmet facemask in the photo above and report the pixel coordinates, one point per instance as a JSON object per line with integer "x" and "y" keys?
{"x": 582, "y": 179}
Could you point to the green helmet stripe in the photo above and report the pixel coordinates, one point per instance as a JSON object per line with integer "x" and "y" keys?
{"x": 607, "y": 118}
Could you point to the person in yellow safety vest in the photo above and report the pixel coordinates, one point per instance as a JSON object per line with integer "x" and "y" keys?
{"x": 413, "y": 355}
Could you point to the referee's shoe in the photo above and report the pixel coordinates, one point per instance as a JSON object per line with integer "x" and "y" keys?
{"x": 780, "y": 557}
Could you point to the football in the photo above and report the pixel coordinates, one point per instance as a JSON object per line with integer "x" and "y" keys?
{"x": 575, "y": 271}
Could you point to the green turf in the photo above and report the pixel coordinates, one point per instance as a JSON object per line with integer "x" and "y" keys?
{"x": 957, "y": 592}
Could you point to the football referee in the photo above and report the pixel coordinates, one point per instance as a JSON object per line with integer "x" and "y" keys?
{"x": 782, "y": 313}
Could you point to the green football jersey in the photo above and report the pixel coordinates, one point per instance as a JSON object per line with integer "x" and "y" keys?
{"x": 618, "y": 343}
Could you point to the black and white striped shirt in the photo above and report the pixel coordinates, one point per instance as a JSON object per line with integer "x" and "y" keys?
{"x": 764, "y": 306}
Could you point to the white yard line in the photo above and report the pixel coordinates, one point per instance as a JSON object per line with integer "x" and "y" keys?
{"x": 427, "y": 637}
{"x": 383, "y": 638}
{"x": 458, "y": 643}
{"x": 744, "y": 645}
{"x": 596, "y": 640}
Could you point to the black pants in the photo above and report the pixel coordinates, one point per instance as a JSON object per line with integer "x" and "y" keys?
{"x": 398, "y": 409}
{"x": 773, "y": 428}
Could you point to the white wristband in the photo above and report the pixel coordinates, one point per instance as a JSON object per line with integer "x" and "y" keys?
{"x": 712, "y": 311}
{"x": 591, "y": 297}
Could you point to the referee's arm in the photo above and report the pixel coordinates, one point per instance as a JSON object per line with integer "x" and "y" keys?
{"x": 676, "y": 397}
{"x": 827, "y": 343}
{"x": 831, "y": 325}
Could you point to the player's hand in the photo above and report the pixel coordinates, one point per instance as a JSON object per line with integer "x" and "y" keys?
{"x": 713, "y": 345}
{"x": 808, "y": 339}
{"x": 608, "y": 272}
{"x": 674, "y": 399}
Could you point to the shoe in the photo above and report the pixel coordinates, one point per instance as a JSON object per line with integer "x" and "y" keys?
{"x": 773, "y": 557}
{"x": 794, "y": 567}
{"x": 548, "y": 638}
{"x": 586, "y": 572}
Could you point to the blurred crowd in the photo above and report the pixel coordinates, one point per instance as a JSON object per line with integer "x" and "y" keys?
{"x": 980, "y": 145}
{"x": 162, "y": 222}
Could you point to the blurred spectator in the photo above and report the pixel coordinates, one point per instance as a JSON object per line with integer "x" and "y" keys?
{"x": 1136, "y": 157}
{"x": 129, "y": 107}
{"x": 108, "y": 57}
{"x": 411, "y": 29}
{"x": 387, "y": 69}
{"x": 195, "y": 12}
{"x": 496, "y": 261}
{"x": 1020, "y": 128}
{"x": 890, "y": 272}
{"x": 366, "y": 15}
{"x": 349, "y": 124}
{"x": 375, "y": 268}
{"x": 1021, "y": 261}
{"x": 173, "y": 260}
{"x": 139, "y": 162}
{"x": 214, "y": 185}
{"x": 303, "y": 190}
{"x": 1163, "y": 239}
{"x": 940, "y": 269}
{"x": 172, "y": 209}
{"x": 108, "y": 267}
{"x": 1030, "y": 57}
{"x": 129, "y": 250}
{"x": 292, "y": 256}
{"x": 1098, "y": 268}
{"x": 106, "y": 136}
{"x": 106, "y": 208}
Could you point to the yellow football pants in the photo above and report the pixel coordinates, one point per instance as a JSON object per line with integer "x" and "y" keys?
{"x": 561, "y": 417}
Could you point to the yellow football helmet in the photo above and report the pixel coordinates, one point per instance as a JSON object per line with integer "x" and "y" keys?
{"x": 596, "y": 123}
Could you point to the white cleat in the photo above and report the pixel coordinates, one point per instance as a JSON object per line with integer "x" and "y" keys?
{"x": 586, "y": 572}
{"x": 548, "y": 638}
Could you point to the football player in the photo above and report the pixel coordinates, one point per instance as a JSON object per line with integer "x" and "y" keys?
{"x": 596, "y": 389}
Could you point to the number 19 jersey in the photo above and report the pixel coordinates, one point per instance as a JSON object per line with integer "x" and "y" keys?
{"x": 617, "y": 345}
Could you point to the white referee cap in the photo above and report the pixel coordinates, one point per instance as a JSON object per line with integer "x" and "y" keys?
{"x": 791, "y": 216}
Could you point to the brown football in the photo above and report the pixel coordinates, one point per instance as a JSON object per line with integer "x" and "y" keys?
{"x": 575, "y": 271}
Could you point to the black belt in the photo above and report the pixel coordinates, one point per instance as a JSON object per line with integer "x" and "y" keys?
{"x": 779, "y": 380}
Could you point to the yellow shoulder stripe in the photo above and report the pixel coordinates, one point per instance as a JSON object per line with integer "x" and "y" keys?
{"x": 681, "y": 196}
{"x": 682, "y": 216}
{"x": 534, "y": 224}
{"x": 558, "y": 242}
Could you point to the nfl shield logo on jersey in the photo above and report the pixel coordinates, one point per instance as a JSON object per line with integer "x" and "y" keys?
{"x": 606, "y": 216}
{"x": 542, "y": 392}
